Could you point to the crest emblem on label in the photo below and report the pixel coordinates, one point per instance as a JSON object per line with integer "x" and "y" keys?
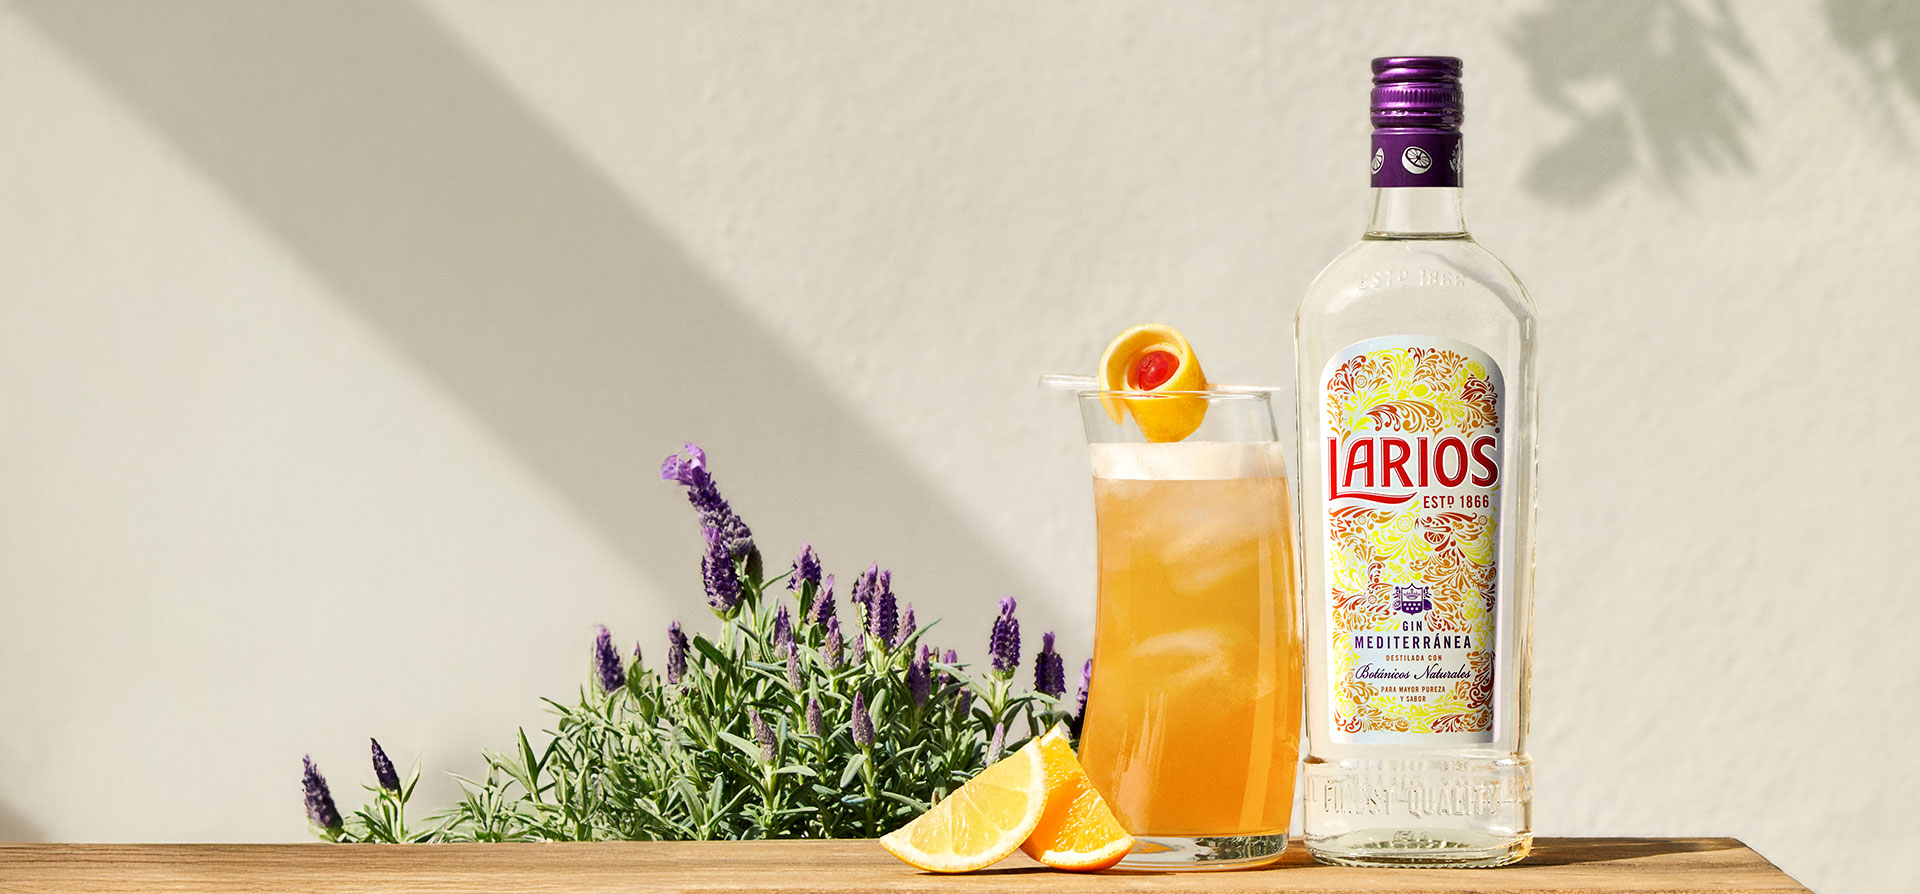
{"x": 1412, "y": 463}
{"x": 1412, "y": 600}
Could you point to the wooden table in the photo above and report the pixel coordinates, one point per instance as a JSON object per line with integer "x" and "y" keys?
{"x": 1668, "y": 865}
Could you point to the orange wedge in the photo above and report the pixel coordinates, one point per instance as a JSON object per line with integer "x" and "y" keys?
{"x": 1078, "y": 831}
{"x": 1153, "y": 359}
{"x": 983, "y": 821}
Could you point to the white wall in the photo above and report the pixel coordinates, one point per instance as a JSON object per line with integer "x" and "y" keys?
{"x": 339, "y": 344}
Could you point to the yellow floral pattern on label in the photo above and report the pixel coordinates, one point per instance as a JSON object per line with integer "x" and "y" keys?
{"x": 1412, "y": 463}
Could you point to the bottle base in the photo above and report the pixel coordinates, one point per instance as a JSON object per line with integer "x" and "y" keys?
{"x": 1421, "y": 848}
{"x": 1165, "y": 853}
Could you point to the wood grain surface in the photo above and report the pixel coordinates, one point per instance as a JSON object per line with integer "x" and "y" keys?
{"x": 1666, "y": 865}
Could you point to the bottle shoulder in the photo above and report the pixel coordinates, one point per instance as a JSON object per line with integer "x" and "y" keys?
{"x": 1423, "y": 274}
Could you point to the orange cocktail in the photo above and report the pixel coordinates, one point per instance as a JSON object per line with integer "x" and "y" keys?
{"x": 1193, "y": 718}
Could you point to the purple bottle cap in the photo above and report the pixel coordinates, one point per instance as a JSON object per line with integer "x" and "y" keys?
{"x": 1417, "y": 91}
{"x": 1417, "y": 110}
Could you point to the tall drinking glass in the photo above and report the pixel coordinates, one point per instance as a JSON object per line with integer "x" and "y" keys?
{"x": 1193, "y": 719}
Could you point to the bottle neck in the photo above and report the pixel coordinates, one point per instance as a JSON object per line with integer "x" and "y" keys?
{"x": 1417, "y": 212}
{"x": 1416, "y": 183}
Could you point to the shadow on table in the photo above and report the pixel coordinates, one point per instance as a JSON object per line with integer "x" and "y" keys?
{"x": 1014, "y": 871}
{"x": 1606, "y": 850}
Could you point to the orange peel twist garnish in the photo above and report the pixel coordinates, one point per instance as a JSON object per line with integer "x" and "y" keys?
{"x": 1154, "y": 359}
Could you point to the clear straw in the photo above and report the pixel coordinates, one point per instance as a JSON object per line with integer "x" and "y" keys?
{"x": 1071, "y": 382}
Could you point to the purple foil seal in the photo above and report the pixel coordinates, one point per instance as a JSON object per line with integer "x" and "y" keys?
{"x": 1406, "y": 156}
{"x": 1417, "y": 108}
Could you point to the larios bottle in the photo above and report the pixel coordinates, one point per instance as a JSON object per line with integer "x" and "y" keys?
{"x": 1417, "y": 456}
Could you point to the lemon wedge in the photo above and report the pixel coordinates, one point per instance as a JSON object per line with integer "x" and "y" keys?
{"x": 981, "y": 822}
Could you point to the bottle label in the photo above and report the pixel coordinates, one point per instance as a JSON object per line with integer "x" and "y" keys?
{"x": 1412, "y": 464}
{"x": 1411, "y": 156}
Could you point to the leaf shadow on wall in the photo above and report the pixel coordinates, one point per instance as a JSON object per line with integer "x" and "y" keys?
{"x": 430, "y": 199}
{"x": 1648, "y": 87}
{"x": 1884, "y": 37}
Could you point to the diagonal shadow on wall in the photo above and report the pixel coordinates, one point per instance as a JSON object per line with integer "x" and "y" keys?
{"x": 425, "y": 194}
{"x": 1648, "y": 87}
{"x": 15, "y": 827}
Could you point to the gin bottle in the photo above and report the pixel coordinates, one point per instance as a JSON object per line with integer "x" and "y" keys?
{"x": 1416, "y": 391}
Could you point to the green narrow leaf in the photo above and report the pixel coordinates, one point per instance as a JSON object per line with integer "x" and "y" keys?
{"x": 712, "y": 651}
{"x": 527, "y": 760}
{"x": 914, "y": 803}
{"x": 854, "y": 763}
{"x": 750, "y": 749}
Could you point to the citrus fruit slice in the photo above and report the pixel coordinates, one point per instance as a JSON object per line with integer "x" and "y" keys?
{"x": 983, "y": 821}
{"x": 1077, "y": 831}
{"x": 1154, "y": 358}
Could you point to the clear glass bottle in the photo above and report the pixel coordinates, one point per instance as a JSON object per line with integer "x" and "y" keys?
{"x": 1416, "y": 412}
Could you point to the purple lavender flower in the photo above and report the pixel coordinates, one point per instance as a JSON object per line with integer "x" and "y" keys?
{"x": 862, "y": 725}
{"x": 822, "y": 608}
{"x": 951, "y": 659}
{"x": 690, "y": 470}
{"x": 864, "y": 587}
{"x": 383, "y": 769}
{"x": 606, "y": 662}
{"x": 907, "y": 626}
{"x": 806, "y": 568}
{"x": 794, "y": 680}
{"x": 920, "y": 678}
{"x": 816, "y": 727}
{"x": 782, "y": 631}
{"x": 1049, "y": 670}
{"x": 718, "y": 574}
{"x": 761, "y": 733}
{"x": 1080, "y": 697}
{"x": 883, "y": 616}
{"x": 962, "y": 702}
{"x": 857, "y": 652}
{"x": 1004, "y": 643}
{"x": 830, "y": 650}
{"x": 676, "y": 653}
{"x": 320, "y": 809}
{"x": 636, "y": 653}
{"x": 998, "y": 742}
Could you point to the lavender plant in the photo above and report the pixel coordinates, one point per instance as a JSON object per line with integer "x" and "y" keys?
{"x": 783, "y": 724}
